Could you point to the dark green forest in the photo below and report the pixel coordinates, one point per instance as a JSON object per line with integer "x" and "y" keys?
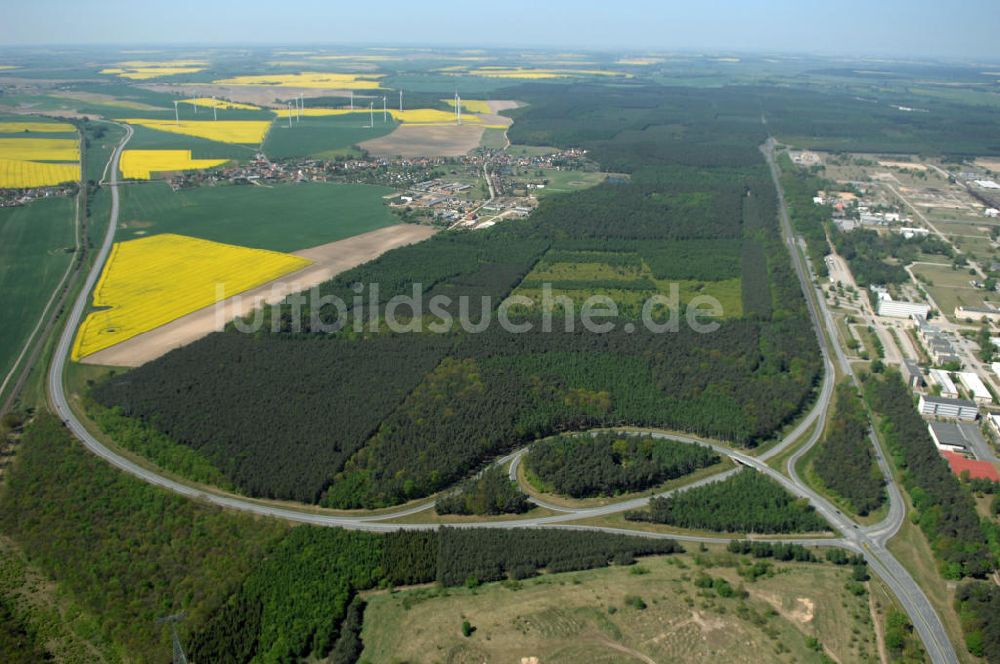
{"x": 746, "y": 502}
{"x": 127, "y": 551}
{"x": 978, "y": 606}
{"x": 606, "y": 464}
{"x": 131, "y": 553}
{"x": 368, "y": 418}
{"x": 845, "y": 458}
{"x": 491, "y": 493}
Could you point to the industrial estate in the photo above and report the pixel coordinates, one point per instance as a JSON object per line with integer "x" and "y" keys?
{"x": 328, "y": 354}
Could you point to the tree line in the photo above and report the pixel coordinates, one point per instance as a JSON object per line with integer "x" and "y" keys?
{"x": 746, "y": 502}
{"x": 606, "y": 464}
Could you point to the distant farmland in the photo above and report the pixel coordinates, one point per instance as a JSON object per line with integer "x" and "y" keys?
{"x": 32, "y": 261}
{"x": 286, "y": 217}
{"x": 323, "y": 136}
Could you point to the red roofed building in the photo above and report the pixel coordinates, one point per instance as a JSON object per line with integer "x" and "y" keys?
{"x": 977, "y": 469}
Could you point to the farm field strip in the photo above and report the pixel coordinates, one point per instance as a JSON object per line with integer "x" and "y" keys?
{"x": 308, "y": 80}
{"x": 40, "y": 149}
{"x": 248, "y": 132}
{"x": 19, "y": 174}
{"x": 151, "y": 281}
{"x": 416, "y": 116}
{"x": 141, "y": 164}
{"x": 212, "y": 102}
{"x": 140, "y": 70}
{"x": 471, "y": 105}
{"x": 51, "y": 127}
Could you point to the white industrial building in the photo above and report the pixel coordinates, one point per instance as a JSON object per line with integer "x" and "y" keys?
{"x": 974, "y": 384}
{"x": 948, "y": 437}
{"x": 896, "y": 308}
{"x": 951, "y": 409}
{"x": 941, "y": 378}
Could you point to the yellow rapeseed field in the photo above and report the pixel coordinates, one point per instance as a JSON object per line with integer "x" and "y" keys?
{"x": 144, "y": 73}
{"x": 471, "y": 105}
{"x": 151, "y": 281}
{"x": 141, "y": 164}
{"x": 308, "y": 80}
{"x": 358, "y": 58}
{"x": 18, "y": 174}
{"x": 53, "y": 127}
{"x": 320, "y": 112}
{"x": 219, "y": 103}
{"x": 163, "y": 63}
{"x": 40, "y": 149}
{"x": 250, "y": 132}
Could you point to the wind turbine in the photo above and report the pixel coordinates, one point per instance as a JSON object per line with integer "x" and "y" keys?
{"x": 371, "y": 109}
{"x": 288, "y": 104}
{"x": 385, "y": 112}
{"x": 352, "y": 100}
{"x": 400, "y": 101}
{"x": 177, "y": 117}
{"x": 215, "y": 109}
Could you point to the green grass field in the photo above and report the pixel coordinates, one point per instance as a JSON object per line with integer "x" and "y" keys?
{"x": 33, "y": 239}
{"x": 494, "y": 139}
{"x": 151, "y": 139}
{"x": 564, "y": 182}
{"x": 629, "y": 300}
{"x": 951, "y": 288}
{"x": 285, "y": 217}
{"x": 594, "y": 617}
{"x": 323, "y": 136}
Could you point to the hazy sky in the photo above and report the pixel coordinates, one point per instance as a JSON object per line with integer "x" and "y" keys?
{"x": 959, "y": 28}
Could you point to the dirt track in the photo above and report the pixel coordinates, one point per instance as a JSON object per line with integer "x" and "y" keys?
{"x": 329, "y": 260}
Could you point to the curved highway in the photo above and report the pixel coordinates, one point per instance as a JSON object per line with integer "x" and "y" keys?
{"x": 870, "y": 541}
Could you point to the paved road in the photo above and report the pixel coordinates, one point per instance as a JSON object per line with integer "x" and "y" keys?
{"x": 868, "y": 542}
{"x": 872, "y": 541}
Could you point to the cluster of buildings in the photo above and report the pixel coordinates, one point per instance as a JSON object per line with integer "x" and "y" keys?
{"x": 16, "y": 197}
{"x": 938, "y": 346}
{"x": 952, "y": 419}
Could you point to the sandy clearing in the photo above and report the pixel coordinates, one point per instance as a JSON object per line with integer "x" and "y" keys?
{"x": 988, "y": 164}
{"x": 426, "y": 141}
{"x": 498, "y": 105}
{"x": 329, "y": 260}
{"x": 904, "y": 165}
